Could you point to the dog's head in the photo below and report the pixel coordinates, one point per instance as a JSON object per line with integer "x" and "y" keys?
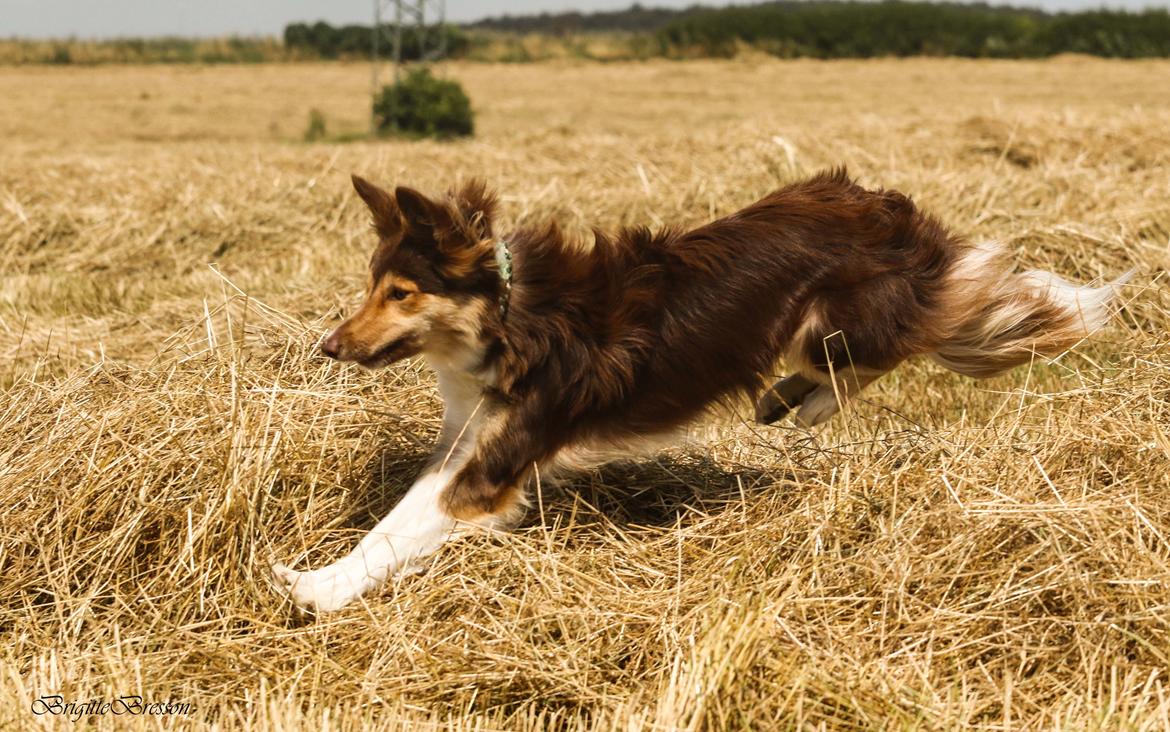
{"x": 432, "y": 277}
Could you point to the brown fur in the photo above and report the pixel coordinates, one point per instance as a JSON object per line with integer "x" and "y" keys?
{"x": 645, "y": 330}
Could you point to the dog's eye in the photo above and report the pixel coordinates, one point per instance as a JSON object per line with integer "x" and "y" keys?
{"x": 399, "y": 294}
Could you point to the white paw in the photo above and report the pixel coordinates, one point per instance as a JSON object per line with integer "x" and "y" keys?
{"x": 818, "y": 407}
{"x": 323, "y": 590}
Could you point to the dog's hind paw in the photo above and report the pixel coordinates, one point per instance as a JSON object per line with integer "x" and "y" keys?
{"x": 783, "y": 396}
{"x": 818, "y": 407}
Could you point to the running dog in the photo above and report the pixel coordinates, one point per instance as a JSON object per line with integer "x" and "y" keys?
{"x": 548, "y": 350}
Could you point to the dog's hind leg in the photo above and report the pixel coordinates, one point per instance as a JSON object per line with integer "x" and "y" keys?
{"x": 782, "y": 397}
{"x": 834, "y": 364}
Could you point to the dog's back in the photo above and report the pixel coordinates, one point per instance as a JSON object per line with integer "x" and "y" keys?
{"x": 843, "y": 282}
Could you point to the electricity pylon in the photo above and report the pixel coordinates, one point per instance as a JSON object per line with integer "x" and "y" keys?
{"x": 424, "y": 17}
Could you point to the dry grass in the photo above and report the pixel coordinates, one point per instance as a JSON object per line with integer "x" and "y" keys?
{"x": 951, "y": 554}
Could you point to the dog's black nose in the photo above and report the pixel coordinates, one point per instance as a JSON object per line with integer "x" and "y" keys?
{"x": 332, "y": 346}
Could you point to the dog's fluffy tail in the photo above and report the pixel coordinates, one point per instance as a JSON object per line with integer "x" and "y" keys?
{"x": 1001, "y": 318}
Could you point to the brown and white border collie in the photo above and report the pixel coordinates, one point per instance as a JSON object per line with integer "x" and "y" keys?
{"x": 547, "y": 349}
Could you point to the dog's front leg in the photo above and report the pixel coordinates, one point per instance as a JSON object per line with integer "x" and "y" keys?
{"x": 477, "y": 487}
{"x": 416, "y": 527}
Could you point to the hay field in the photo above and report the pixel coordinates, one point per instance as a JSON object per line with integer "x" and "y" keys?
{"x": 951, "y": 554}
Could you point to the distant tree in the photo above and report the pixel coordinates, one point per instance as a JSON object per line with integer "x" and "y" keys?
{"x": 325, "y": 41}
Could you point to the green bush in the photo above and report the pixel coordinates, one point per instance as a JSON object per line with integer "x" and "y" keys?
{"x": 316, "y": 128}
{"x": 421, "y": 104}
{"x": 61, "y": 55}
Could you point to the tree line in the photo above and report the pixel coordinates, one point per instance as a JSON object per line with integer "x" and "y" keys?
{"x": 900, "y": 28}
{"x": 634, "y": 19}
{"x": 791, "y": 28}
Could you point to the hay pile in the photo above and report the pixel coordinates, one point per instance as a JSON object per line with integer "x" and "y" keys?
{"x": 950, "y": 554}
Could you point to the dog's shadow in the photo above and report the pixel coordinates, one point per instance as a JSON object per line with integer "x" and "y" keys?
{"x": 656, "y": 491}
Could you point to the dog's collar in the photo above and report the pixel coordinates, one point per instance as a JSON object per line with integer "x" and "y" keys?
{"x": 504, "y": 265}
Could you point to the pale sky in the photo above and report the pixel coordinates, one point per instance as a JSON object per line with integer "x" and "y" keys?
{"x": 106, "y": 18}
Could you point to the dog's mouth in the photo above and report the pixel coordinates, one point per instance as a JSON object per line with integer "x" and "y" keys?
{"x": 395, "y": 350}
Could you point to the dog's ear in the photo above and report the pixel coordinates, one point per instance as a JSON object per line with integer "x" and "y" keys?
{"x": 441, "y": 230}
{"x": 387, "y": 217}
{"x": 423, "y": 216}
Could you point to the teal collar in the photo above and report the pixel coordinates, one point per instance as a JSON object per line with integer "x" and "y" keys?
{"x": 504, "y": 265}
